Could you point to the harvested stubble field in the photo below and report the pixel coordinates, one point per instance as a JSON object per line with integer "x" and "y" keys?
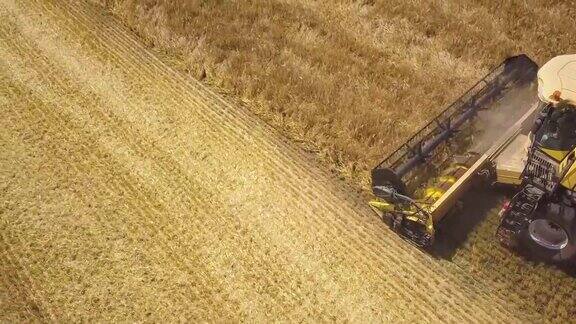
{"x": 130, "y": 193}
{"x": 350, "y": 80}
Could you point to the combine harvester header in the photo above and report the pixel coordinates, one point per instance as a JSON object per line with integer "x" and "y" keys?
{"x": 476, "y": 137}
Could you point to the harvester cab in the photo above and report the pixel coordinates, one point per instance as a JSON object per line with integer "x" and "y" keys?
{"x": 485, "y": 136}
{"x": 541, "y": 218}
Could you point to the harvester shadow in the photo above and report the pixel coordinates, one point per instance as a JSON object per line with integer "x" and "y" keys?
{"x": 455, "y": 228}
{"x": 478, "y": 204}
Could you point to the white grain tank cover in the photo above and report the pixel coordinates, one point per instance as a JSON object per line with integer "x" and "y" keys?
{"x": 558, "y": 74}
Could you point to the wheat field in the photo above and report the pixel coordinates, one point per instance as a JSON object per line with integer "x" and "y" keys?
{"x": 334, "y": 75}
{"x": 130, "y": 192}
{"x": 350, "y": 80}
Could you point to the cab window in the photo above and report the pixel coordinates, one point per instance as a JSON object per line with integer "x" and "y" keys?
{"x": 558, "y": 131}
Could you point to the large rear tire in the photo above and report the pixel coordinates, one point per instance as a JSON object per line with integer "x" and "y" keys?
{"x": 551, "y": 236}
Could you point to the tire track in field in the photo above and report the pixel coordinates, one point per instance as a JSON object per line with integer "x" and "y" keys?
{"x": 351, "y": 229}
{"x": 19, "y": 283}
{"x": 19, "y": 294}
{"x": 64, "y": 121}
{"x": 88, "y": 153}
{"x": 56, "y": 78}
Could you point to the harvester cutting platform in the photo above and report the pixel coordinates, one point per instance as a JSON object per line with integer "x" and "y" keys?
{"x": 499, "y": 131}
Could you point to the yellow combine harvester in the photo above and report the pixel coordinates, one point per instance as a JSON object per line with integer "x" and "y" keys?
{"x": 497, "y": 132}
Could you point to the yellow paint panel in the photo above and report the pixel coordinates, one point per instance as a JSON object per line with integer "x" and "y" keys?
{"x": 569, "y": 180}
{"x": 381, "y": 205}
{"x": 433, "y": 193}
{"x": 556, "y": 155}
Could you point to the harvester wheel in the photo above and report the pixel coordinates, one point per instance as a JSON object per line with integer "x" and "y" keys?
{"x": 551, "y": 236}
